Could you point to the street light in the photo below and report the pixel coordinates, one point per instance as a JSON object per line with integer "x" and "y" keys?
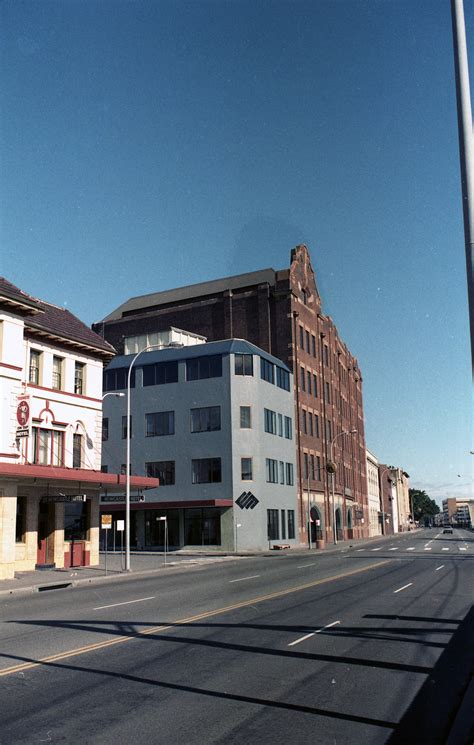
{"x": 113, "y": 393}
{"x": 333, "y": 474}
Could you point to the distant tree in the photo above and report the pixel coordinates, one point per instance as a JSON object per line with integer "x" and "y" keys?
{"x": 422, "y": 505}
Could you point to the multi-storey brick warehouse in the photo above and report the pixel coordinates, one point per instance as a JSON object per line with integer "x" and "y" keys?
{"x": 279, "y": 311}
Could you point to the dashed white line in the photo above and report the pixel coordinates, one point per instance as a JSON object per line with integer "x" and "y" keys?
{"x": 127, "y": 602}
{"x": 376, "y": 549}
{"x": 303, "y": 566}
{"x": 445, "y": 549}
{"x": 412, "y": 548}
{"x": 308, "y": 636}
{"x": 462, "y": 548}
{"x": 438, "y": 568}
{"x": 241, "y": 579}
{"x": 403, "y": 588}
{"x": 427, "y": 548}
{"x": 394, "y": 549}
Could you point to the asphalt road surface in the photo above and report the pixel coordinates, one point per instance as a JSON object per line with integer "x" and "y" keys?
{"x": 363, "y": 645}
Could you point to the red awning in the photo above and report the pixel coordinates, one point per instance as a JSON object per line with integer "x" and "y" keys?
{"x": 177, "y": 504}
{"x": 76, "y": 475}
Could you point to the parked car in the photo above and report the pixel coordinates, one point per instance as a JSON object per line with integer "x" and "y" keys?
{"x": 448, "y": 530}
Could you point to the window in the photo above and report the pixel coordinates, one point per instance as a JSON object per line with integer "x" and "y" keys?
{"x": 207, "y": 419}
{"x": 202, "y": 527}
{"x": 48, "y": 447}
{"x": 105, "y": 429}
{"x": 159, "y": 424}
{"x": 313, "y": 345}
{"x": 272, "y": 525}
{"x": 311, "y": 460}
{"x": 163, "y": 470}
{"x": 288, "y": 428}
{"x": 291, "y": 524}
{"x": 283, "y": 524}
{"x": 206, "y": 471}
{"x": 290, "y": 477}
{"x": 301, "y": 337}
{"x": 315, "y": 385}
{"x": 307, "y": 341}
{"x": 243, "y": 364}
{"x": 123, "y": 469}
{"x": 326, "y": 355}
{"x": 20, "y": 526}
{"x": 201, "y": 368}
{"x": 270, "y": 421}
{"x": 318, "y": 468}
{"x": 328, "y": 430}
{"x": 308, "y": 382}
{"x": 280, "y": 425}
{"x": 79, "y": 378}
{"x": 116, "y": 380}
{"x": 34, "y": 374}
{"x": 282, "y": 472}
{"x": 303, "y": 379}
{"x": 283, "y": 378}
{"x": 77, "y": 451}
{"x": 267, "y": 371}
{"x": 246, "y": 469}
{"x": 76, "y": 521}
{"x": 104, "y": 469}
{"x": 160, "y": 373}
{"x": 305, "y": 466}
{"x": 316, "y": 425}
{"x": 57, "y": 448}
{"x": 327, "y": 393}
{"x": 124, "y": 427}
{"x": 245, "y": 417}
{"x": 272, "y": 470}
{"x": 57, "y": 373}
{"x": 304, "y": 422}
{"x": 310, "y": 423}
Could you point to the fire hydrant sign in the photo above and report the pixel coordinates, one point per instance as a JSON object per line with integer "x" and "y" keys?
{"x": 106, "y": 522}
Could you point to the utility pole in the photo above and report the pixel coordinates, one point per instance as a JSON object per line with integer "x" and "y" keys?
{"x": 466, "y": 149}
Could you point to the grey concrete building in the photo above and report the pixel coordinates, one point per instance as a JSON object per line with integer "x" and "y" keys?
{"x": 214, "y": 422}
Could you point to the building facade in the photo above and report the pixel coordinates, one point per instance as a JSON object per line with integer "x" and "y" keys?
{"x": 373, "y": 487}
{"x": 281, "y": 313}
{"x": 214, "y": 422}
{"x": 458, "y": 511}
{"x": 51, "y": 369}
{"x": 400, "y": 487}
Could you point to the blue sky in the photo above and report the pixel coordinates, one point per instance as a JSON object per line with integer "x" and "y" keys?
{"x": 148, "y": 145}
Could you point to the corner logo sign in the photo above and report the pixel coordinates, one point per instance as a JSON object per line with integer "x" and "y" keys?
{"x": 247, "y": 501}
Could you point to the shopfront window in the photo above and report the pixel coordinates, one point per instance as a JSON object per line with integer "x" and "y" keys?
{"x": 155, "y": 528}
{"x": 202, "y": 527}
{"x": 20, "y": 529}
{"x": 76, "y": 521}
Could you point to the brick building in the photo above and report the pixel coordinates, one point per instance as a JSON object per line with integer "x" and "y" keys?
{"x": 280, "y": 312}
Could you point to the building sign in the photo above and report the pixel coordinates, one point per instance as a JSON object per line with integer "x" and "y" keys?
{"x": 247, "y": 500}
{"x": 23, "y": 416}
{"x": 120, "y": 498}
{"x": 106, "y": 522}
{"x": 64, "y": 498}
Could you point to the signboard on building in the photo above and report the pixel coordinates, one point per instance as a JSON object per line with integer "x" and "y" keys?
{"x": 106, "y": 522}
{"x": 64, "y": 498}
{"x": 120, "y": 525}
{"x": 120, "y": 498}
{"x": 23, "y": 416}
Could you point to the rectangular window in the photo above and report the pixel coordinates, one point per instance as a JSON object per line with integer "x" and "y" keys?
{"x": 76, "y": 521}
{"x": 315, "y": 385}
{"x": 20, "y": 526}
{"x": 290, "y": 477}
{"x": 163, "y": 470}
{"x": 246, "y": 469}
{"x": 57, "y": 444}
{"x": 326, "y": 355}
{"x": 123, "y": 469}
{"x": 159, "y": 424}
{"x": 202, "y": 527}
{"x": 318, "y": 468}
{"x": 313, "y": 345}
{"x": 272, "y": 525}
{"x": 305, "y": 466}
{"x": 267, "y": 370}
{"x": 79, "y": 386}
{"x": 280, "y": 425}
{"x": 116, "y": 380}
{"x": 41, "y": 446}
{"x": 245, "y": 417}
{"x": 291, "y": 524}
{"x": 124, "y": 427}
{"x": 283, "y": 524}
{"x": 304, "y": 422}
{"x": 283, "y": 378}
{"x": 327, "y": 393}
{"x": 206, "y": 471}
{"x": 310, "y": 423}
{"x": 34, "y": 373}
{"x": 243, "y": 364}
{"x": 301, "y": 337}
{"x": 57, "y": 373}
{"x": 272, "y": 470}
{"x": 270, "y": 421}
{"x": 288, "y": 428}
{"x": 282, "y": 472}
{"x": 307, "y": 341}
{"x": 308, "y": 382}
{"x": 207, "y": 419}
{"x": 77, "y": 451}
{"x": 105, "y": 429}
{"x": 104, "y": 469}
{"x": 202, "y": 368}
{"x": 311, "y": 460}
{"x": 303, "y": 378}
{"x": 328, "y": 430}
{"x": 316, "y": 425}
{"x": 160, "y": 373}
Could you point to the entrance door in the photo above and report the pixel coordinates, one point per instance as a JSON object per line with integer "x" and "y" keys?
{"x": 44, "y": 531}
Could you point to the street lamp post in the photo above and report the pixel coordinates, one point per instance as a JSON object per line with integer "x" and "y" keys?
{"x": 333, "y": 474}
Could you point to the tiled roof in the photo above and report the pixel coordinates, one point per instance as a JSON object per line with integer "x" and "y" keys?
{"x": 49, "y": 320}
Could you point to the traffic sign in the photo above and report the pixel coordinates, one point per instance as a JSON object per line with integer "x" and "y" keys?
{"x": 106, "y": 522}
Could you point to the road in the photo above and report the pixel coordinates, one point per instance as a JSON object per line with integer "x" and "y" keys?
{"x": 360, "y": 645}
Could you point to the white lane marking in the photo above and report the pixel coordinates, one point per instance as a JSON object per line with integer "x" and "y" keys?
{"x": 428, "y": 548}
{"x": 438, "y": 568}
{"x": 462, "y": 548}
{"x": 241, "y": 579}
{"x": 308, "y": 636}
{"x": 402, "y": 588}
{"x": 127, "y": 602}
{"x": 376, "y": 549}
{"x": 412, "y": 548}
{"x": 394, "y": 549}
{"x": 445, "y": 549}
{"x": 360, "y": 549}
{"x": 303, "y": 566}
